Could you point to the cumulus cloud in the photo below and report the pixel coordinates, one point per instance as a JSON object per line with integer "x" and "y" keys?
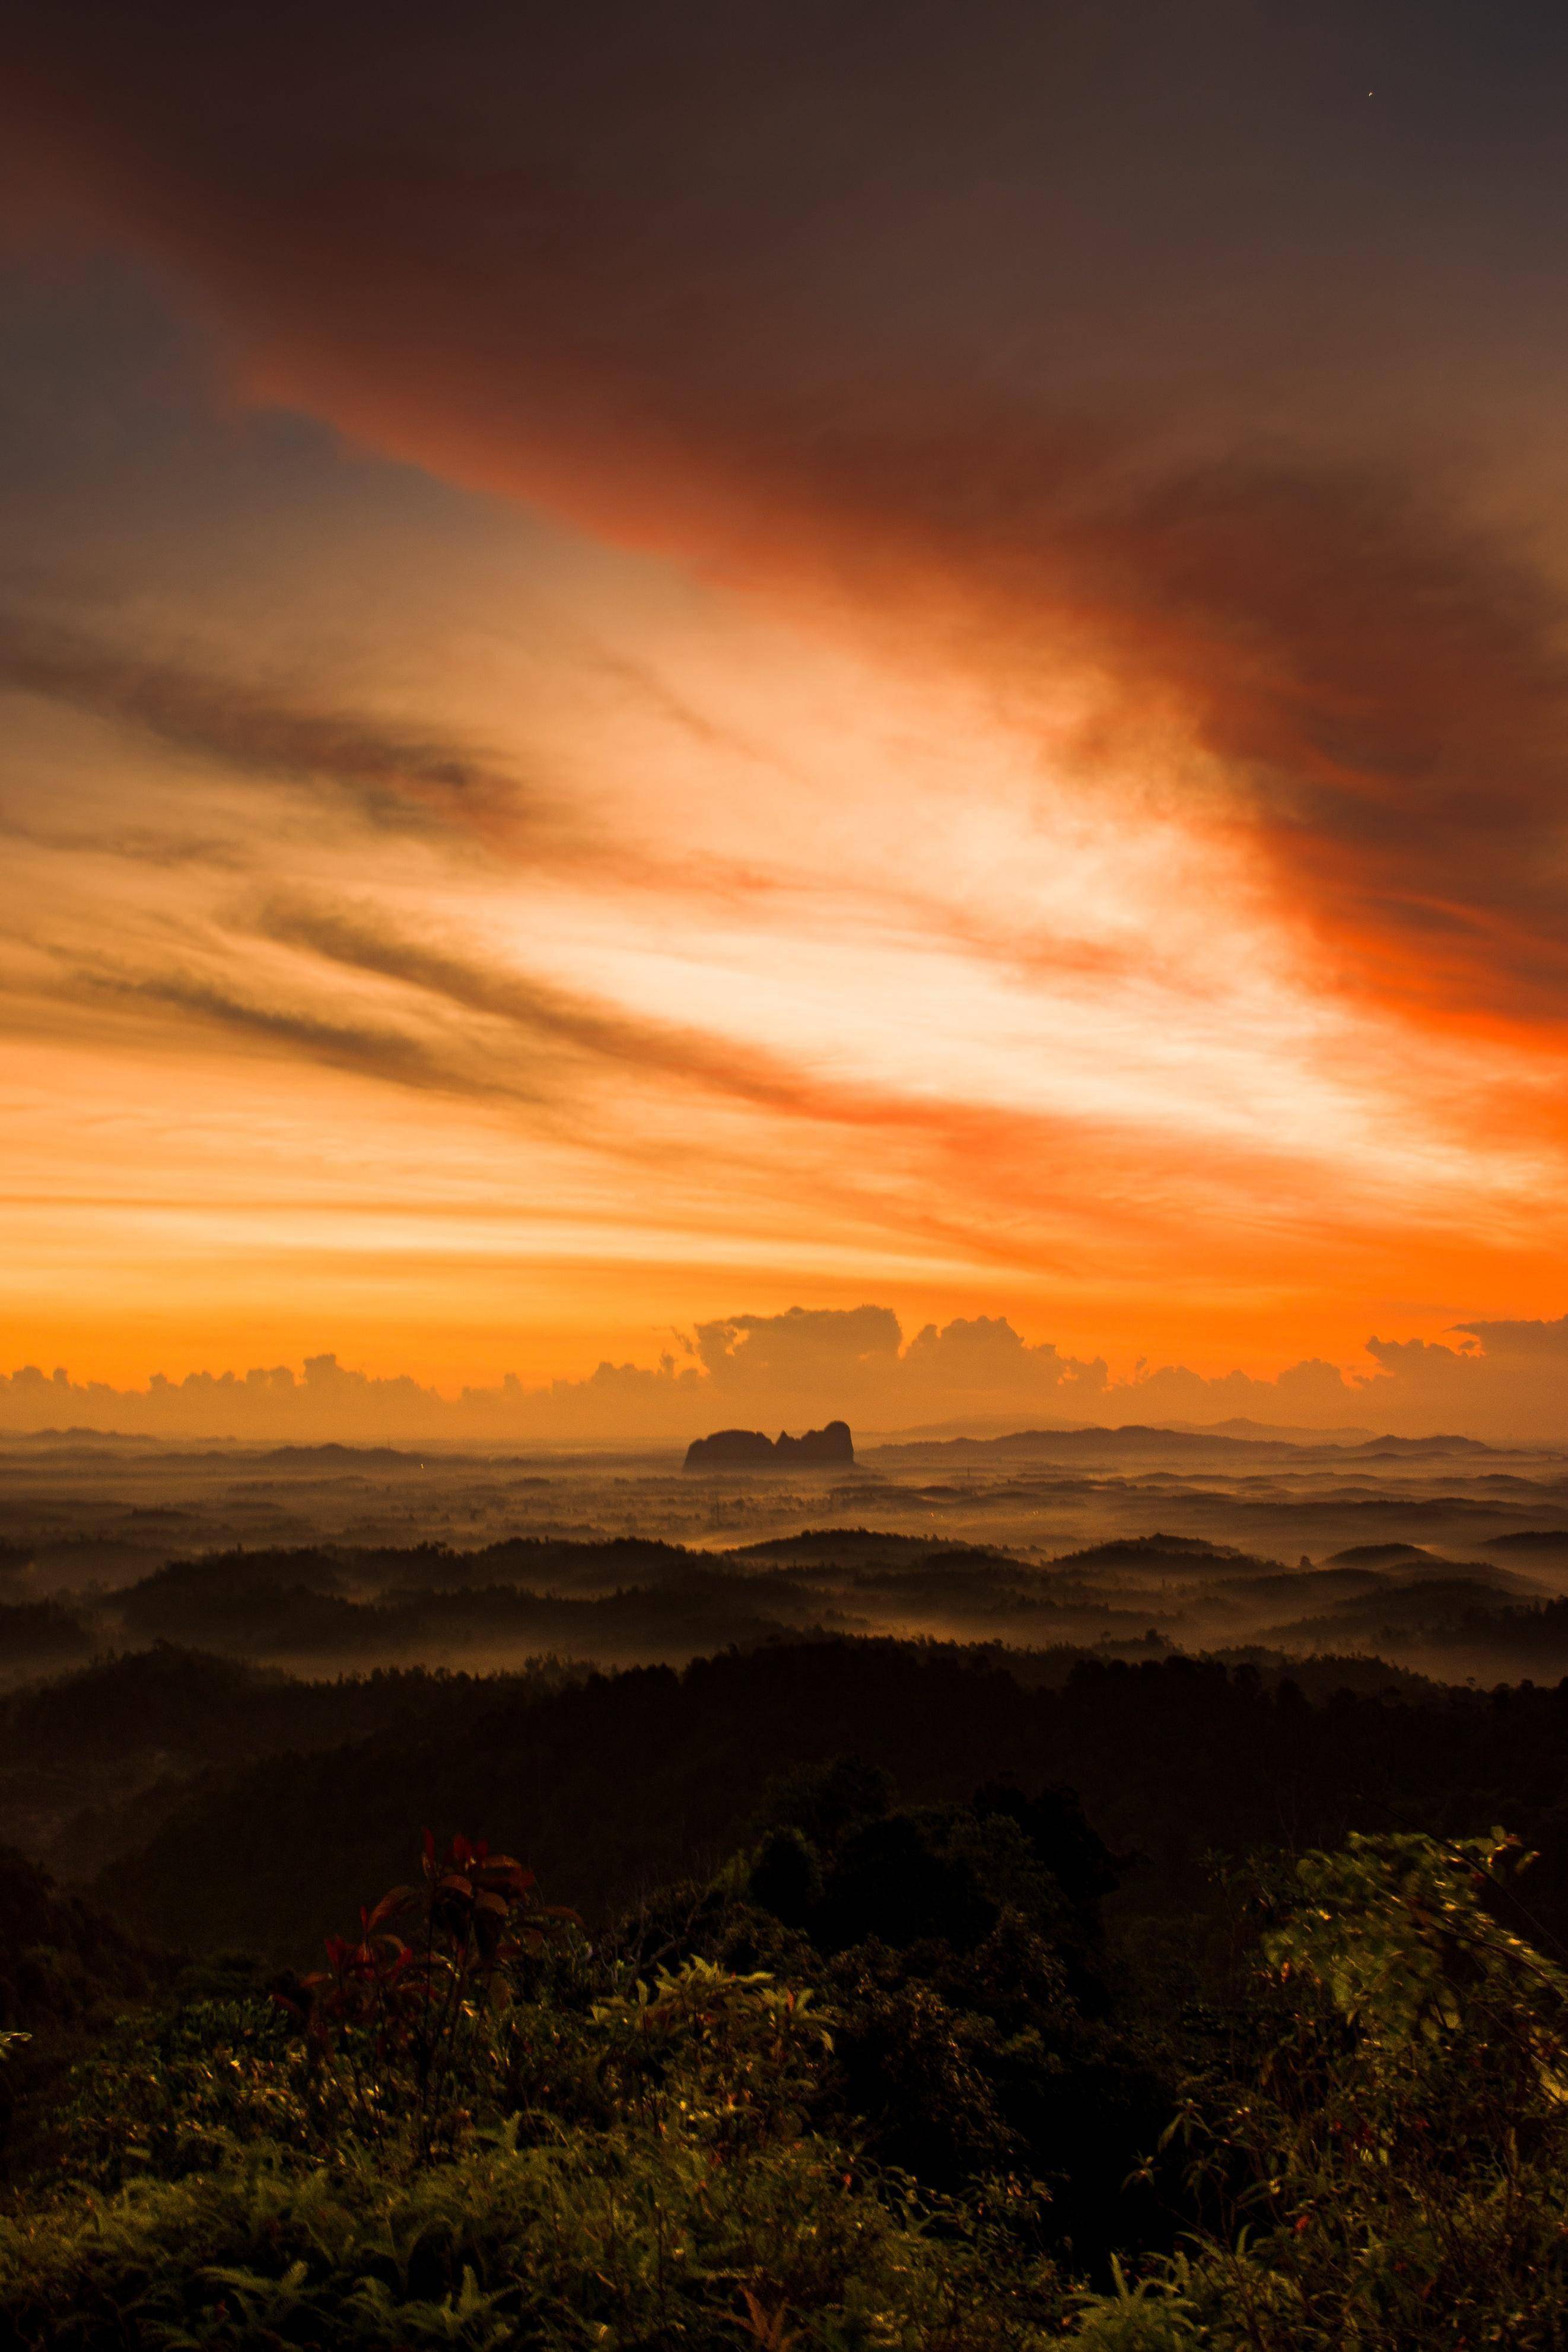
{"x": 1507, "y": 1382}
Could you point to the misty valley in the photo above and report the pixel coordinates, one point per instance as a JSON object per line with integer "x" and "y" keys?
{"x": 1441, "y": 1557}
{"x": 956, "y": 1891}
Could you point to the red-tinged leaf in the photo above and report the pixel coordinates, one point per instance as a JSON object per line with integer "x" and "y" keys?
{"x": 494, "y": 1904}
{"x": 455, "y": 1884}
{"x": 391, "y": 1904}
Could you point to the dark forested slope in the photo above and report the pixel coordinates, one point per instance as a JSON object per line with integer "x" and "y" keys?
{"x": 623, "y": 1782}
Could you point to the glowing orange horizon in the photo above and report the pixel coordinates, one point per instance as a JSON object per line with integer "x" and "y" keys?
{"x": 533, "y": 821}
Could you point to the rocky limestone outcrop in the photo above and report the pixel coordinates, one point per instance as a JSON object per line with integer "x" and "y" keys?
{"x": 832, "y": 1448}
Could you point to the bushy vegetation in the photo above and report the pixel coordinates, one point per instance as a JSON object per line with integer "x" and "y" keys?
{"x": 470, "y": 2128}
{"x": 969, "y": 2038}
{"x": 881, "y": 2080}
{"x": 1390, "y": 2166}
{"x": 63, "y": 1967}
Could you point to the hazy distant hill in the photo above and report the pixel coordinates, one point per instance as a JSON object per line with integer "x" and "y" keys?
{"x": 1087, "y": 1444}
{"x": 1146, "y": 1441}
{"x": 1273, "y": 1433}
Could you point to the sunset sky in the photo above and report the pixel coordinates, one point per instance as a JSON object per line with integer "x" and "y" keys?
{"x": 668, "y": 662}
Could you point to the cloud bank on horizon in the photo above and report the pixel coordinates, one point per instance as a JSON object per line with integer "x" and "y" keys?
{"x": 1502, "y": 1382}
{"x": 673, "y": 651}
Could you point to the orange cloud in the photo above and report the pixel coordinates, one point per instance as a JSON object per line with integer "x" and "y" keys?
{"x": 1307, "y": 647}
{"x": 1506, "y": 1380}
{"x": 1186, "y": 922}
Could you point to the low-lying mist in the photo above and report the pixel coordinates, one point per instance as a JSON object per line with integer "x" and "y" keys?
{"x": 164, "y": 1611}
{"x": 1442, "y": 1555}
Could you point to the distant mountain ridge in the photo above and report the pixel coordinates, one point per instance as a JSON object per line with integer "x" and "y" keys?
{"x": 1139, "y": 1437}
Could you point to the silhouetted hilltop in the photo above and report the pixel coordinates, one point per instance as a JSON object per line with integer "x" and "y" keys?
{"x": 1182, "y": 1555}
{"x": 1380, "y": 1555}
{"x": 1419, "y": 1448}
{"x": 832, "y": 1546}
{"x": 1135, "y": 1439}
{"x": 333, "y": 1455}
{"x": 1278, "y": 1432}
{"x": 748, "y": 1449}
{"x": 1441, "y": 1607}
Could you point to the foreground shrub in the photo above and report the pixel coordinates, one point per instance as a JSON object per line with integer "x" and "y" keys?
{"x": 620, "y": 2238}
{"x": 1394, "y": 2170}
{"x": 473, "y": 2128}
{"x": 472, "y": 2133}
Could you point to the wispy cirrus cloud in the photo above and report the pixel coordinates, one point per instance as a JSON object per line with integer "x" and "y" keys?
{"x": 959, "y": 1170}
{"x": 368, "y": 1048}
{"x": 392, "y": 779}
{"x": 364, "y": 940}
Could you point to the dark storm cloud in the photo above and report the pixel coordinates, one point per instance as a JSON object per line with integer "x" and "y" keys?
{"x": 823, "y": 296}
